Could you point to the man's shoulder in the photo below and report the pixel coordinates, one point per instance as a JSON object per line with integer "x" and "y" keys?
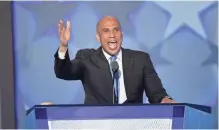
{"x": 136, "y": 53}
{"x": 86, "y": 52}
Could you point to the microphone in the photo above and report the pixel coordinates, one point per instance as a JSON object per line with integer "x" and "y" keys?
{"x": 114, "y": 68}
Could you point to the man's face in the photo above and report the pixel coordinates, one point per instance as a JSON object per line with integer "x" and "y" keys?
{"x": 110, "y": 35}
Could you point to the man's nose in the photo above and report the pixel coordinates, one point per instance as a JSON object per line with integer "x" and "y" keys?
{"x": 112, "y": 34}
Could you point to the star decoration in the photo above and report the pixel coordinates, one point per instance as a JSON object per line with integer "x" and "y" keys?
{"x": 209, "y": 18}
{"x": 23, "y": 59}
{"x": 42, "y": 12}
{"x": 27, "y": 101}
{"x": 213, "y": 58}
{"x": 155, "y": 54}
{"x": 180, "y": 16}
{"x": 102, "y": 9}
{"x": 185, "y": 46}
{"x": 131, "y": 43}
{"x": 157, "y": 59}
{"x": 81, "y": 29}
{"x": 150, "y": 23}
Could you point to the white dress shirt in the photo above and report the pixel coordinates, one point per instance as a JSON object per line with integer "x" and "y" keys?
{"x": 122, "y": 91}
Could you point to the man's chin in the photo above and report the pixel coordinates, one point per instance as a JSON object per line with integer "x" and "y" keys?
{"x": 113, "y": 52}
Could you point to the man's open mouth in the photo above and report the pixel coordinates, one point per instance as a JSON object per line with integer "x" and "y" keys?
{"x": 112, "y": 44}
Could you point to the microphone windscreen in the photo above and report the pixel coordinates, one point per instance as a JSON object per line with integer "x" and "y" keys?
{"x": 114, "y": 66}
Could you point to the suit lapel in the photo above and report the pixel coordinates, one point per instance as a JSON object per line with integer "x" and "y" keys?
{"x": 99, "y": 59}
{"x": 127, "y": 62}
{"x": 101, "y": 62}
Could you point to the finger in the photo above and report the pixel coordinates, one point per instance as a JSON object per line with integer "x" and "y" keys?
{"x": 62, "y": 32}
{"x": 59, "y": 29}
{"x": 60, "y": 21}
{"x": 174, "y": 101}
{"x": 46, "y": 103}
{"x": 163, "y": 102}
{"x": 68, "y": 26}
{"x": 60, "y": 26}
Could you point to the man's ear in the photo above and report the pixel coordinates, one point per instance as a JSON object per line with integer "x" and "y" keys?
{"x": 98, "y": 37}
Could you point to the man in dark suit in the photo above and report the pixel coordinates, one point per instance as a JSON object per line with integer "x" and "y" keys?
{"x": 135, "y": 70}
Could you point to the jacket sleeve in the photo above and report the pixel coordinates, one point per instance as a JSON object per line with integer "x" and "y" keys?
{"x": 69, "y": 69}
{"x": 152, "y": 83}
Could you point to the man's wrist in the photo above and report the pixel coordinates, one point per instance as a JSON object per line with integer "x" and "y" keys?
{"x": 63, "y": 48}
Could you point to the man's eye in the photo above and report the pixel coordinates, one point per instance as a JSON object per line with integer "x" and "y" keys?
{"x": 117, "y": 29}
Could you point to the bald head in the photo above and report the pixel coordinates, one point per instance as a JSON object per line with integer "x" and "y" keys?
{"x": 106, "y": 19}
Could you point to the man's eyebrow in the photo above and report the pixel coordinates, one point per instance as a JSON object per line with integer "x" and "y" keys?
{"x": 104, "y": 28}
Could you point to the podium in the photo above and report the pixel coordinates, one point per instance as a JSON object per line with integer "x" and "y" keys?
{"x": 128, "y": 117}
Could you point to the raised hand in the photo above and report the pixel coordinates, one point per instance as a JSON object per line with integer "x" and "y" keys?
{"x": 64, "y": 33}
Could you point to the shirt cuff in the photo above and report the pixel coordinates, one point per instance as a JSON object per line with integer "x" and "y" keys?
{"x": 61, "y": 54}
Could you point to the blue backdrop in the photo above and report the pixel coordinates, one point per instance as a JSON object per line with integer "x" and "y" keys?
{"x": 181, "y": 38}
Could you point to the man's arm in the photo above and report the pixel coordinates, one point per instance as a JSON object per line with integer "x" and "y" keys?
{"x": 68, "y": 69}
{"x": 152, "y": 83}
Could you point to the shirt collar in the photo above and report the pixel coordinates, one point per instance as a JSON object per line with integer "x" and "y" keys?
{"x": 118, "y": 55}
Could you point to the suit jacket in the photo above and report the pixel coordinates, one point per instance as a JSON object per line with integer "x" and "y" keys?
{"x": 92, "y": 68}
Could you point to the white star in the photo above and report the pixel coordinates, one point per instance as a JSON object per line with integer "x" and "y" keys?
{"x": 184, "y": 12}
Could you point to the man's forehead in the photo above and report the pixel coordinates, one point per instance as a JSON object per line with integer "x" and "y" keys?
{"x": 109, "y": 24}
{"x": 108, "y": 21}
